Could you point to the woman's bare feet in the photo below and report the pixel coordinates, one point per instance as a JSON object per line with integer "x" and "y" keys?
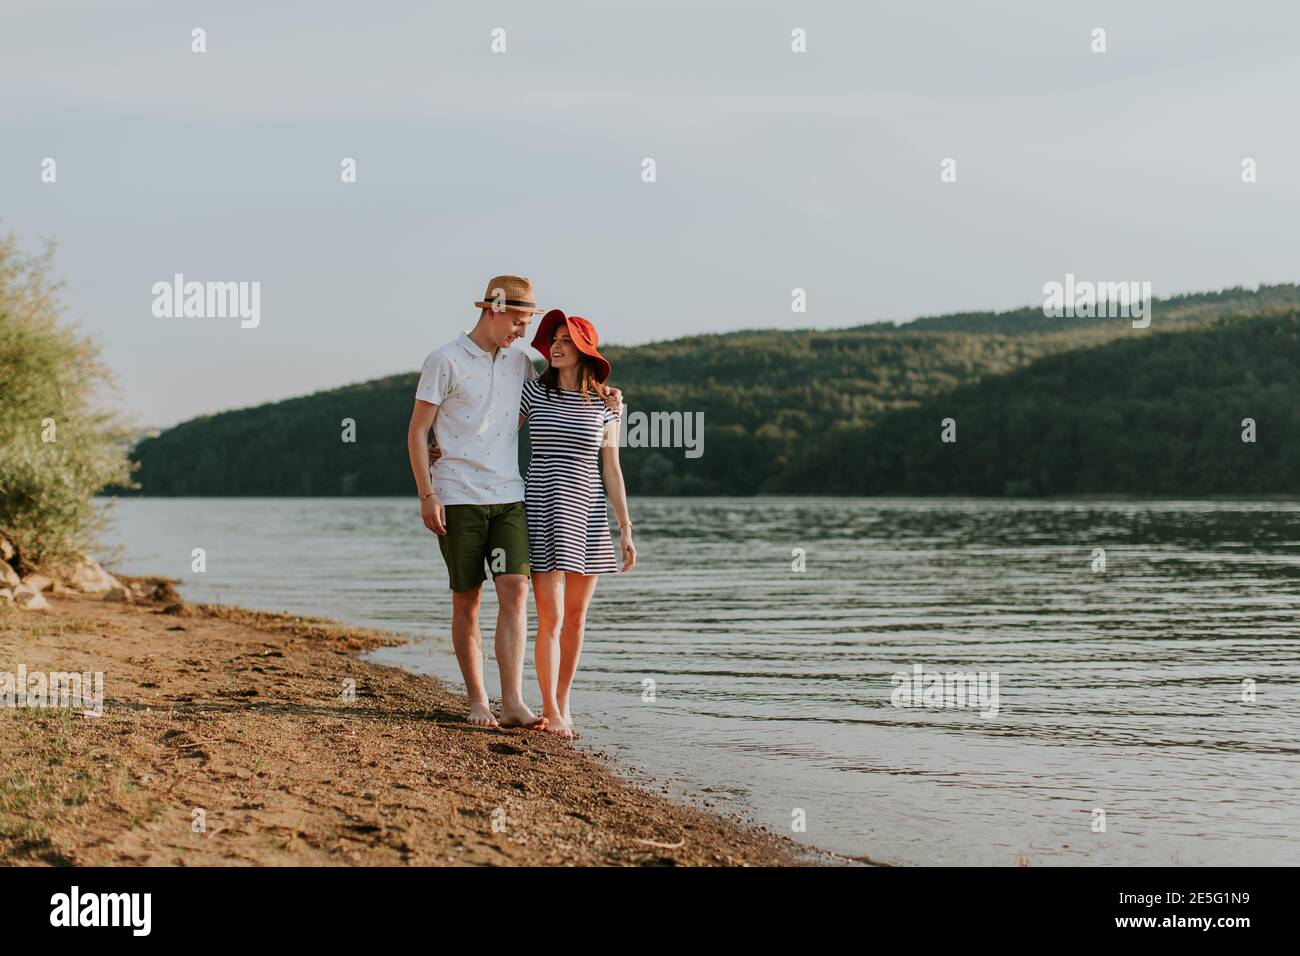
{"x": 480, "y": 714}
{"x": 558, "y": 725}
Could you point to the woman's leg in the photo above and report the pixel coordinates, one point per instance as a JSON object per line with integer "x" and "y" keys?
{"x": 546, "y": 595}
{"x": 578, "y": 589}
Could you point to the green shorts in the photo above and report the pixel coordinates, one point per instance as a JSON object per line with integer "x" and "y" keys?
{"x": 480, "y": 538}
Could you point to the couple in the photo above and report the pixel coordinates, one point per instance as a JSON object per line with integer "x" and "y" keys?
{"x": 476, "y": 393}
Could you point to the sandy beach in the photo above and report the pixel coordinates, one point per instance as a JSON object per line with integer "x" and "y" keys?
{"x": 227, "y": 737}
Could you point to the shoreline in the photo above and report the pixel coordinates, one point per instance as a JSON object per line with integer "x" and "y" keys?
{"x": 1103, "y": 497}
{"x": 227, "y": 738}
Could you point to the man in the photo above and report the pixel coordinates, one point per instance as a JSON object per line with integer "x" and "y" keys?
{"x": 473, "y": 497}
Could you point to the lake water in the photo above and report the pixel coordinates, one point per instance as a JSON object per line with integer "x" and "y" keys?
{"x": 1122, "y": 691}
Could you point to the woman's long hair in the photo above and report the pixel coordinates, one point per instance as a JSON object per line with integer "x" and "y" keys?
{"x": 587, "y": 381}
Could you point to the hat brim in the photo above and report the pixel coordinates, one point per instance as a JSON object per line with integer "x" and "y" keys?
{"x": 512, "y": 308}
{"x": 546, "y": 332}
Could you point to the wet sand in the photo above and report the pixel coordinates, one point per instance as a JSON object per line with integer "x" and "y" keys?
{"x": 226, "y": 739}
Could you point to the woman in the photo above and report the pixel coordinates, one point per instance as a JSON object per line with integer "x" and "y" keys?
{"x": 568, "y": 527}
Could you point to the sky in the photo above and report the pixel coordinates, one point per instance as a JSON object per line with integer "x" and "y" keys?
{"x": 774, "y": 170}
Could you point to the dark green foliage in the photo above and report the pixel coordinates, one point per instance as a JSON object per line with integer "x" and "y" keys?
{"x": 1044, "y": 406}
{"x": 1177, "y": 309}
{"x": 1158, "y": 415}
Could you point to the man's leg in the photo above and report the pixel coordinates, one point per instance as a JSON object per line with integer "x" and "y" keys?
{"x": 462, "y": 548}
{"x": 512, "y": 639}
{"x": 507, "y": 549}
{"x": 468, "y": 641}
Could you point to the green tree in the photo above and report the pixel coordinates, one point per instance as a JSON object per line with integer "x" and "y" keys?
{"x": 59, "y": 444}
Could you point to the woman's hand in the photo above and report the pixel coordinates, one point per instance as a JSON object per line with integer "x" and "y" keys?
{"x": 628, "y": 549}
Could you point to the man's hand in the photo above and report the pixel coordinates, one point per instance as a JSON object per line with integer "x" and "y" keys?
{"x": 614, "y": 401}
{"x": 434, "y": 514}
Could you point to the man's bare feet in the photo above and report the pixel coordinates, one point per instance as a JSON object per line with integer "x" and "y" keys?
{"x": 521, "y": 716}
{"x": 480, "y": 714}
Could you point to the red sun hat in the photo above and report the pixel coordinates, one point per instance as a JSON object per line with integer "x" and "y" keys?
{"x": 583, "y": 334}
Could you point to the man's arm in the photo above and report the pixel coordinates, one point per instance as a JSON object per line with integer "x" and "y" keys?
{"x": 417, "y": 448}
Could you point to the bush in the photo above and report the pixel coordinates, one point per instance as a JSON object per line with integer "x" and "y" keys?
{"x": 58, "y": 445}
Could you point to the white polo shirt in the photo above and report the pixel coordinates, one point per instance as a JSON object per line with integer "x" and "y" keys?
{"x": 478, "y": 421}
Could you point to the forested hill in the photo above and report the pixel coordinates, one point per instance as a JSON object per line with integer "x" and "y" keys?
{"x": 1081, "y": 403}
{"x": 1162, "y": 416}
{"x": 1176, "y": 310}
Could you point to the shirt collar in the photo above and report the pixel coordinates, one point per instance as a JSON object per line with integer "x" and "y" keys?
{"x": 469, "y": 345}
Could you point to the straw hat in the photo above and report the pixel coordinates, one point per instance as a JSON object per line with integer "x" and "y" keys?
{"x": 583, "y": 334}
{"x": 509, "y": 292}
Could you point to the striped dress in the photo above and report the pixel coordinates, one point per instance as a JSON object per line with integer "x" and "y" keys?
{"x": 568, "y": 525}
